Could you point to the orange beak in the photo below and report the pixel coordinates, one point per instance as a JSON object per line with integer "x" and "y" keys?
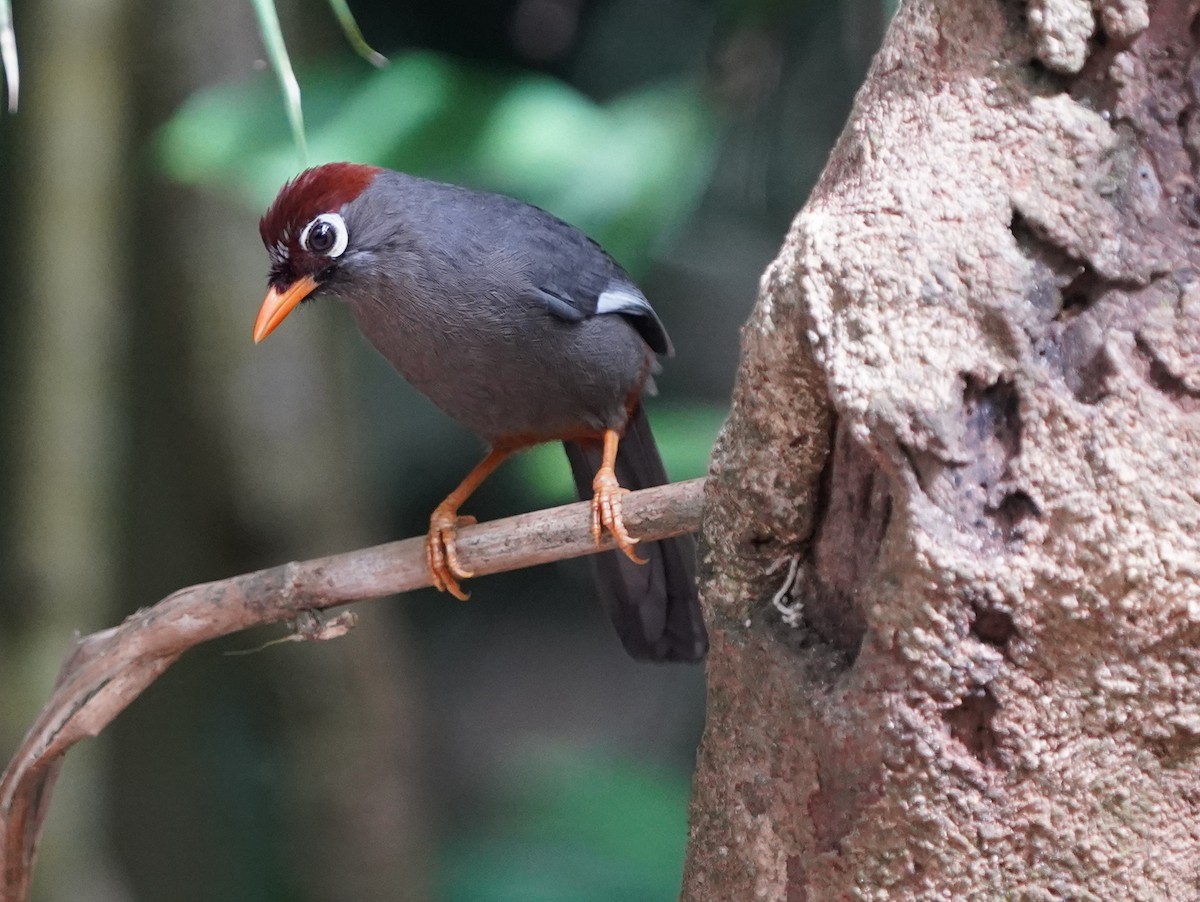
{"x": 279, "y": 304}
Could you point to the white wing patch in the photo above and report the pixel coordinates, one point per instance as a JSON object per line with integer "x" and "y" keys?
{"x": 627, "y": 300}
{"x": 621, "y": 299}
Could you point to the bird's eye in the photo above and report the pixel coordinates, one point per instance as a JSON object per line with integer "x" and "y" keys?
{"x": 325, "y": 235}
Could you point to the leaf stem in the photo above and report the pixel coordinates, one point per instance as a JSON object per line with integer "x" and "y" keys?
{"x": 272, "y": 36}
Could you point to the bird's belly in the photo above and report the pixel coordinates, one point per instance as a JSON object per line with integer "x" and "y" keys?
{"x": 546, "y": 381}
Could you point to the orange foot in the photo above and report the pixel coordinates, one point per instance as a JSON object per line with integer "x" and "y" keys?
{"x": 606, "y": 512}
{"x": 441, "y": 554}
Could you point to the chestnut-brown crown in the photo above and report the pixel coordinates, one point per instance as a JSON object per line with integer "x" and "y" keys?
{"x": 321, "y": 189}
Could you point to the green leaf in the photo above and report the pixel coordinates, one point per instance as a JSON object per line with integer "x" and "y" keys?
{"x": 354, "y": 35}
{"x": 281, "y": 64}
{"x": 627, "y": 172}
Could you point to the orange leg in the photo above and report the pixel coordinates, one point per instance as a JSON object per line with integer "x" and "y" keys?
{"x": 606, "y": 502}
{"x": 440, "y": 551}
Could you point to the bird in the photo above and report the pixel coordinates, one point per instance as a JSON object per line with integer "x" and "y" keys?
{"x": 520, "y": 327}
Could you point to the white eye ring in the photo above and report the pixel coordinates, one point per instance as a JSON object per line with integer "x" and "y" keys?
{"x": 336, "y": 228}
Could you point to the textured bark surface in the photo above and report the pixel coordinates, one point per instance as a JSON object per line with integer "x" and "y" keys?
{"x": 969, "y": 410}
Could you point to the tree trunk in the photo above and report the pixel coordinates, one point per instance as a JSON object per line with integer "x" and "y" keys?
{"x": 968, "y": 412}
{"x": 70, "y": 164}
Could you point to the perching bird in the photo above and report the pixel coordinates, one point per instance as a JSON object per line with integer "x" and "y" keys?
{"x": 521, "y": 328}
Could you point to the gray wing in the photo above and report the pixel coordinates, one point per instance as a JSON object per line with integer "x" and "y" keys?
{"x": 616, "y": 299}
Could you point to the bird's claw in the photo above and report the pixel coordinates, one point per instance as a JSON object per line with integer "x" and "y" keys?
{"x": 606, "y": 513}
{"x": 441, "y": 552}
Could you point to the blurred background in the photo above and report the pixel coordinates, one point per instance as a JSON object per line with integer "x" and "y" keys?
{"x": 499, "y": 749}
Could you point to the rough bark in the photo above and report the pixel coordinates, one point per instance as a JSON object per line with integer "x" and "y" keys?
{"x": 968, "y": 410}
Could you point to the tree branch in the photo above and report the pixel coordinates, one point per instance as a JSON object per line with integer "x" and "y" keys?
{"x": 107, "y": 670}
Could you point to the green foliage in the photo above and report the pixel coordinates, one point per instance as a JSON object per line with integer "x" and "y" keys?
{"x": 627, "y": 171}
{"x": 354, "y": 35}
{"x": 578, "y": 828}
{"x": 281, "y": 65}
{"x": 684, "y": 433}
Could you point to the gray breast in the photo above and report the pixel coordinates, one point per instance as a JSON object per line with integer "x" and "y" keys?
{"x": 448, "y": 285}
{"x": 503, "y": 366}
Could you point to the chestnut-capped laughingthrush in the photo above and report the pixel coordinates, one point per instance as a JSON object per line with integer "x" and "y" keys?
{"x": 521, "y": 328}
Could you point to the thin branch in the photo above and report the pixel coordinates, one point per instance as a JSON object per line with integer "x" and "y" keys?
{"x": 109, "y": 669}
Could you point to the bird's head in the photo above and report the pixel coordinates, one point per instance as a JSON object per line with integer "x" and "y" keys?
{"x": 306, "y": 235}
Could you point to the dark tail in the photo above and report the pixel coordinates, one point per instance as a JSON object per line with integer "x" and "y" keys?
{"x": 652, "y": 605}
